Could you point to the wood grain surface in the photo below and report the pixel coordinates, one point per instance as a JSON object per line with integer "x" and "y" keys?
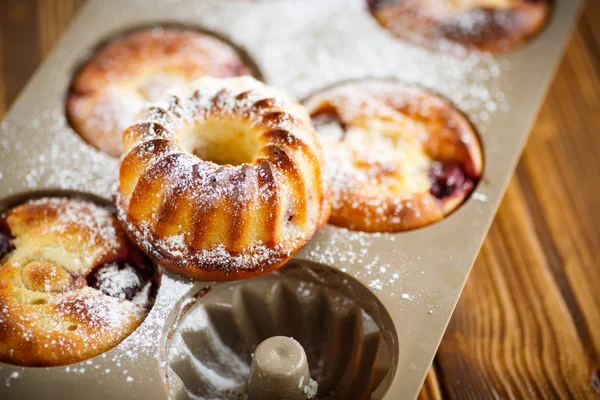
{"x": 528, "y": 323}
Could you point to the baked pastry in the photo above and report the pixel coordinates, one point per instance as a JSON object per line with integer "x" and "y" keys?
{"x": 72, "y": 285}
{"x": 137, "y": 68}
{"x": 226, "y": 183}
{"x": 397, "y": 157}
{"x": 486, "y": 25}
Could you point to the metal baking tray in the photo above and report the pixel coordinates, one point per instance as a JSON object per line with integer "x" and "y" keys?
{"x": 300, "y": 47}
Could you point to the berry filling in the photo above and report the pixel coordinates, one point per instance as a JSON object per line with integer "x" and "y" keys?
{"x": 328, "y": 124}
{"x": 6, "y": 237}
{"x": 374, "y": 5}
{"x": 119, "y": 279}
{"x": 448, "y": 178}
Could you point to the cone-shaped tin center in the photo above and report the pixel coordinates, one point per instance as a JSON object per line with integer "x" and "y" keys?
{"x": 280, "y": 371}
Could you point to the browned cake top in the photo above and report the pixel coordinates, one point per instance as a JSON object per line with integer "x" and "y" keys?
{"x": 487, "y": 25}
{"x": 137, "y": 68}
{"x": 224, "y": 183}
{"x": 397, "y": 157}
{"x": 72, "y": 285}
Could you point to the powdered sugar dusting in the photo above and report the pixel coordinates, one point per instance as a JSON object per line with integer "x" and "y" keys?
{"x": 146, "y": 340}
{"x": 13, "y": 375}
{"x": 214, "y": 384}
{"x": 107, "y": 313}
{"x": 113, "y": 280}
{"x": 280, "y": 43}
{"x": 60, "y": 159}
{"x": 254, "y": 255}
{"x": 357, "y": 253}
{"x": 350, "y": 250}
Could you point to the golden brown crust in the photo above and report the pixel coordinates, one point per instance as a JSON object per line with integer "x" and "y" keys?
{"x": 487, "y": 25}
{"x": 54, "y": 309}
{"x": 397, "y": 157}
{"x": 140, "y": 67}
{"x": 241, "y": 217}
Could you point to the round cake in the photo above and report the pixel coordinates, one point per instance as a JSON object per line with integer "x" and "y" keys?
{"x": 486, "y": 25}
{"x": 72, "y": 285}
{"x": 397, "y": 157}
{"x": 225, "y": 183}
{"x": 137, "y": 68}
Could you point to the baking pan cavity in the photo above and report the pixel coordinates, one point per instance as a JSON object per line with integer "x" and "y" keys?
{"x": 350, "y": 344}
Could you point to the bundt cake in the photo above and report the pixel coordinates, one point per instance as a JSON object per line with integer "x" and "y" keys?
{"x": 486, "y": 25}
{"x": 142, "y": 66}
{"x": 397, "y": 157}
{"x": 225, "y": 183}
{"x": 72, "y": 285}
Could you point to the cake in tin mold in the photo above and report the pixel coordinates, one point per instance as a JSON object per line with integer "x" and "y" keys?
{"x": 397, "y": 156}
{"x": 72, "y": 284}
{"x": 140, "y": 67}
{"x": 224, "y": 183}
{"x": 486, "y": 25}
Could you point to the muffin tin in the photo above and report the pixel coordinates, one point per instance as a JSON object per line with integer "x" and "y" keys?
{"x": 407, "y": 283}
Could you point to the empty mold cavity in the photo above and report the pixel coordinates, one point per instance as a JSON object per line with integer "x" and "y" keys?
{"x": 141, "y": 66}
{"x": 347, "y": 336}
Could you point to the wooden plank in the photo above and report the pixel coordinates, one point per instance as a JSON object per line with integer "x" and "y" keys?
{"x": 512, "y": 334}
{"x": 431, "y": 387}
{"x": 527, "y": 323}
{"x": 53, "y": 18}
{"x": 2, "y": 84}
{"x": 18, "y": 23}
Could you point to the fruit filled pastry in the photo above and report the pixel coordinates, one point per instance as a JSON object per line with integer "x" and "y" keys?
{"x": 141, "y": 67}
{"x": 397, "y": 157}
{"x": 72, "y": 285}
{"x": 224, "y": 183}
{"x": 486, "y": 25}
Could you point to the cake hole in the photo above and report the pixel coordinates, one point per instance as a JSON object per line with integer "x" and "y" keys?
{"x": 223, "y": 142}
{"x": 39, "y": 302}
{"x": 72, "y": 327}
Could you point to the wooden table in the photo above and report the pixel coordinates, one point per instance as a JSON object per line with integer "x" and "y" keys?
{"x": 528, "y": 323}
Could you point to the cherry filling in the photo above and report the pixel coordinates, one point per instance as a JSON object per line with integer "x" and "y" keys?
{"x": 376, "y": 4}
{"x": 448, "y": 178}
{"x": 328, "y": 124}
{"x": 120, "y": 279}
{"x": 6, "y": 237}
